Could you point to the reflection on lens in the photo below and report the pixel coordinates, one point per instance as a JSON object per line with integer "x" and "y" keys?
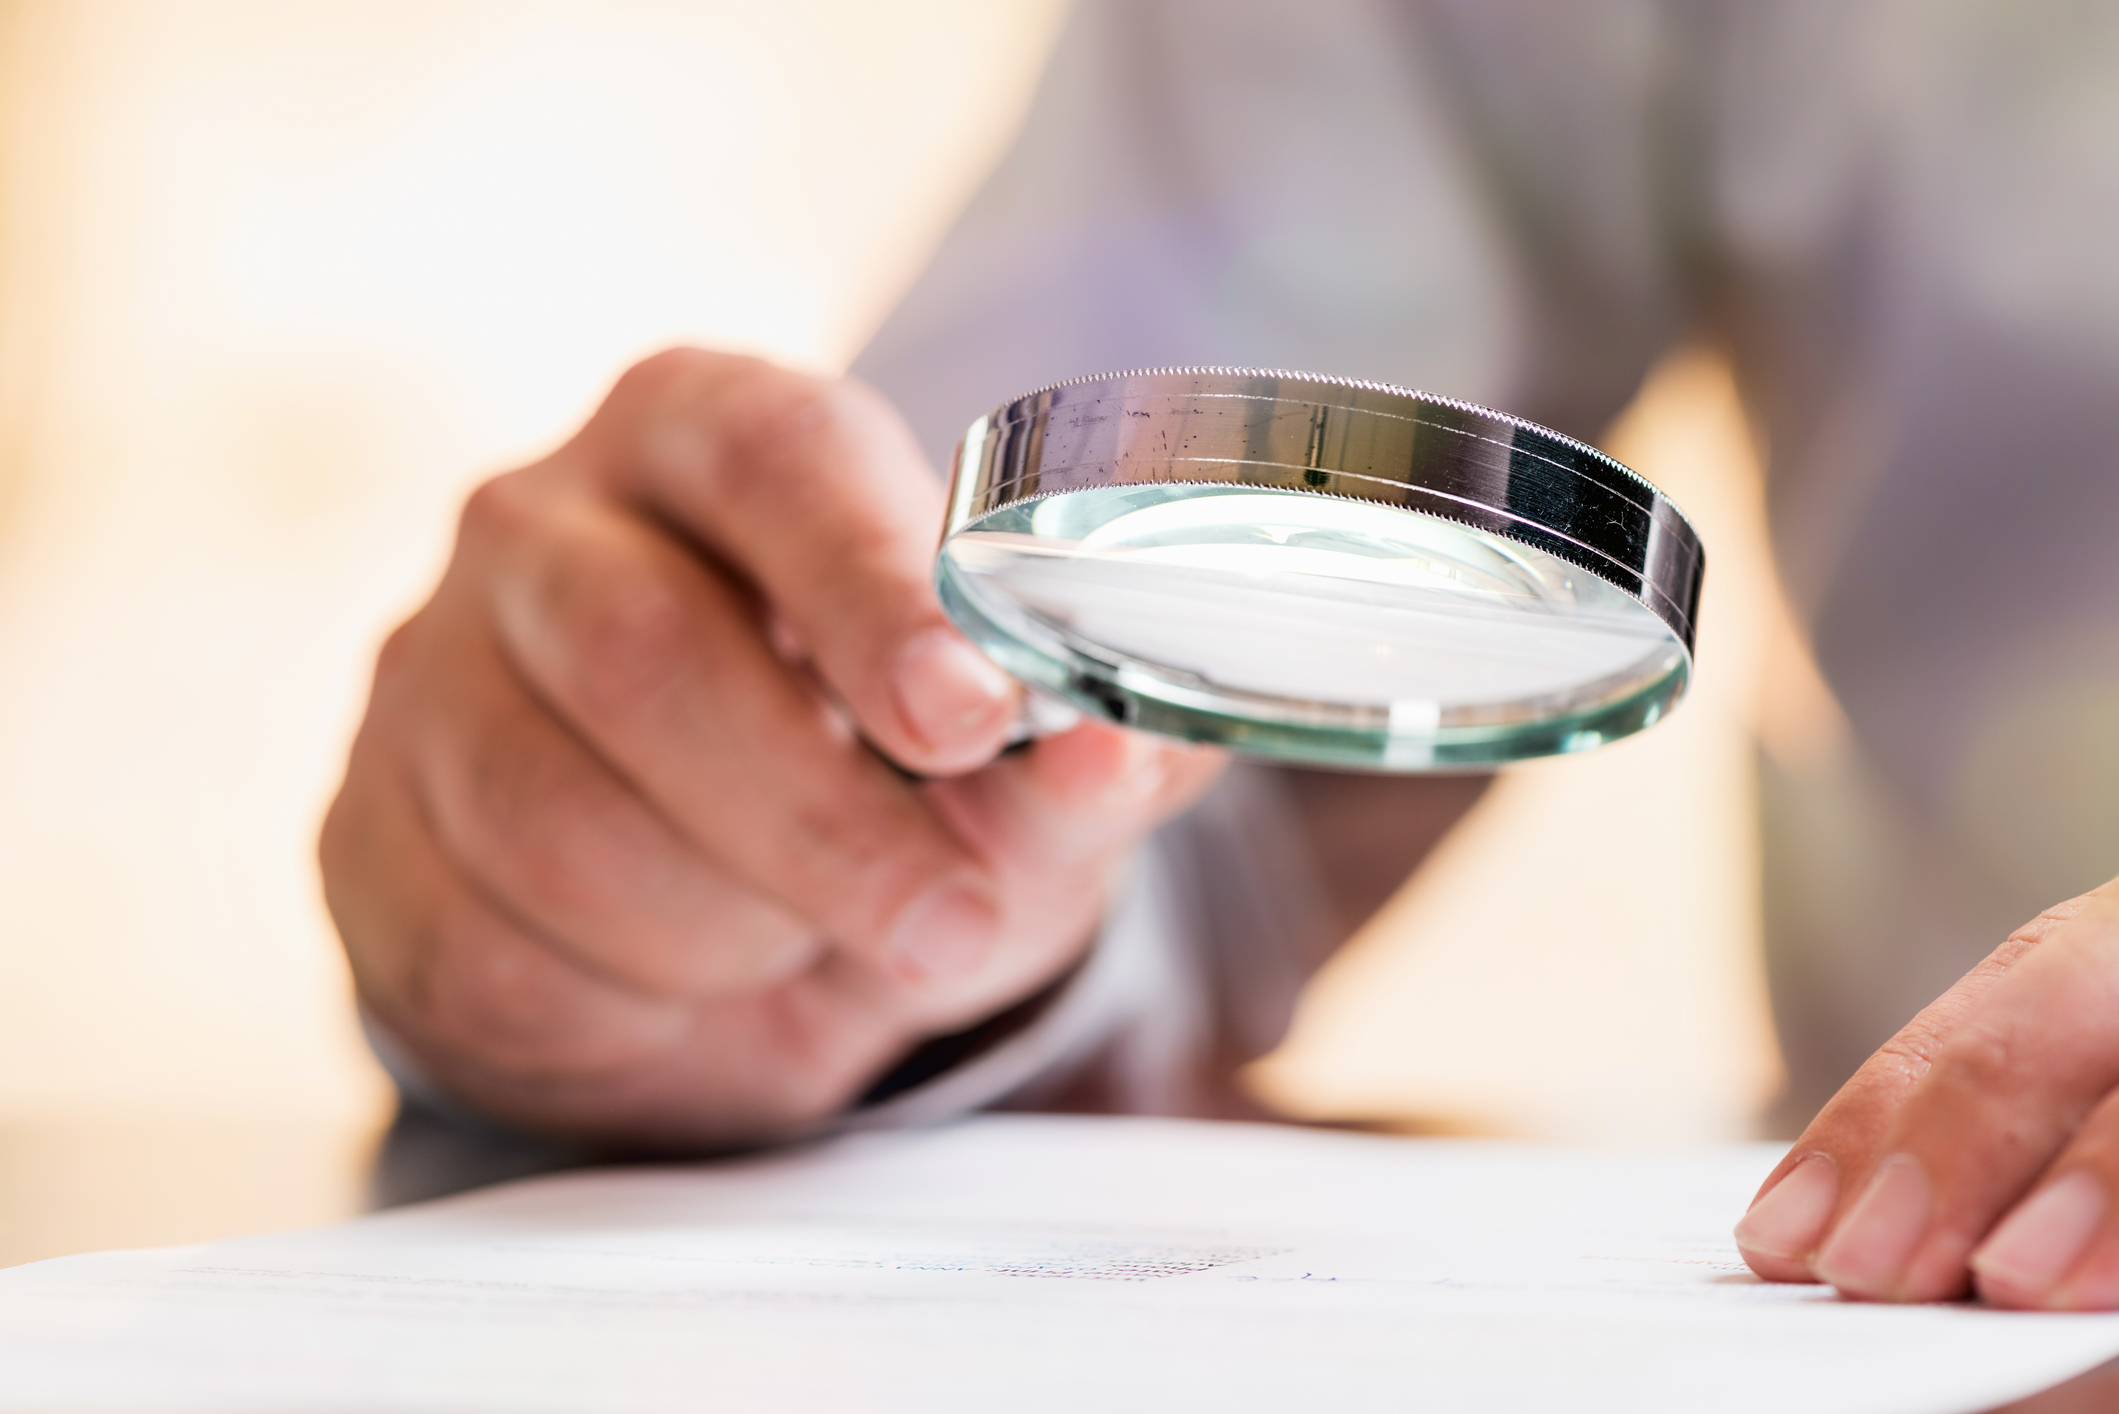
{"x": 1307, "y": 612}
{"x": 1319, "y": 570}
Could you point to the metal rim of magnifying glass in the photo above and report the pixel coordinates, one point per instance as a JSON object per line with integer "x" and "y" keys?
{"x": 1315, "y": 435}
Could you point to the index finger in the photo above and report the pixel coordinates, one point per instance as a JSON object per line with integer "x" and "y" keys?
{"x": 1888, "y": 1189}
{"x": 814, "y": 491}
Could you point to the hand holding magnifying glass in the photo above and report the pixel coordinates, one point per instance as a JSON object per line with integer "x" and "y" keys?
{"x": 618, "y": 855}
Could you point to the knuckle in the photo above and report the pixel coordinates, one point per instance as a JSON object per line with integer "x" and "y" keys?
{"x": 680, "y": 386}
{"x": 1917, "y": 1043}
{"x": 486, "y": 804}
{"x": 633, "y": 635}
{"x": 1909, "y": 1055}
{"x": 671, "y": 370}
{"x": 2039, "y": 929}
{"x": 499, "y": 509}
{"x": 1980, "y": 1060}
{"x": 493, "y": 1010}
{"x": 777, "y": 418}
{"x": 880, "y": 864}
{"x": 540, "y": 831}
{"x": 487, "y": 991}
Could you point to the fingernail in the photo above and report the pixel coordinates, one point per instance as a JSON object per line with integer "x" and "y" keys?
{"x": 1867, "y": 1253}
{"x": 2038, "y": 1242}
{"x": 946, "y": 932}
{"x": 948, "y": 690}
{"x": 1790, "y": 1217}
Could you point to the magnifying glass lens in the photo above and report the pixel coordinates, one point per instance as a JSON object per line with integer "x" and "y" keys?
{"x": 1308, "y": 626}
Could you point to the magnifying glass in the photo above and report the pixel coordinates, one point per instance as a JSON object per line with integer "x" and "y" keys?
{"x": 1319, "y": 570}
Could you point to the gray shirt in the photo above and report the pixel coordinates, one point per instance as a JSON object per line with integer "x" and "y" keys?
{"x": 1898, "y": 217}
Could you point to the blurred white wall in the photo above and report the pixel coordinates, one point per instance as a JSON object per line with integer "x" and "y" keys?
{"x": 279, "y": 281}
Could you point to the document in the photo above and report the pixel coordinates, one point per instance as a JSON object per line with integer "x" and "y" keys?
{"x": 1027, "y": 1264}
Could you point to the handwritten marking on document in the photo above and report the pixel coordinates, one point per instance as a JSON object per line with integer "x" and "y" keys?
{"x": 854, "y": 1242}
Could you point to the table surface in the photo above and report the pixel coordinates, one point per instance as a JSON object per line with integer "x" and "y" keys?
{"x": 89, "y": 1184}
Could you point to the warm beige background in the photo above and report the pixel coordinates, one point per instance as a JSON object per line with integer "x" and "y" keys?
{"x": 277, "y": 282}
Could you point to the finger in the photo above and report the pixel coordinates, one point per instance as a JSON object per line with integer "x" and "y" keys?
{"x": 2003, "y": 1096}
{"x": 536, "y": 821}
{"x": 459, "y": 981}
{"x": 814, "y": 491}
{"x": 524, "y": 1033}
{"x": 753, "y": 1069}
{"x": 2005, "y": 1089}
{"x": 1793, "y": 1211}
{"x": 1058, "y": 822}
{"x": 1092, "y": 790}
{"x": 662, "y": 666}
{"x": 2058, "y": 1249}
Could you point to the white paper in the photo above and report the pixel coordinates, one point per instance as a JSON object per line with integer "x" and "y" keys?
{"x": 1027, "y": 1264}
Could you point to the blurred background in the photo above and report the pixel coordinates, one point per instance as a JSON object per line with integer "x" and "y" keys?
{"x": 279, "y": 283}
